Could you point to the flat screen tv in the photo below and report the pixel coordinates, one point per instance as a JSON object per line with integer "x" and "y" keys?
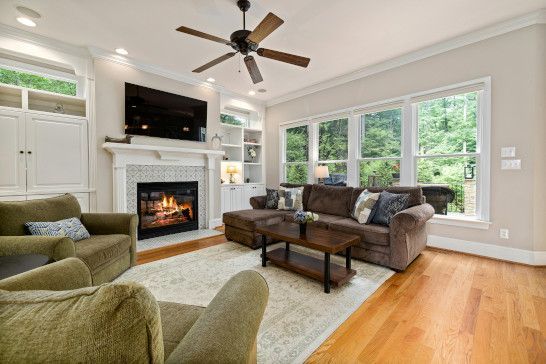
{"x": 162, "y": 114}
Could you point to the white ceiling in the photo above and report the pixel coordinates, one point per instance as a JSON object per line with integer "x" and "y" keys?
{"x": 339, "y": 36}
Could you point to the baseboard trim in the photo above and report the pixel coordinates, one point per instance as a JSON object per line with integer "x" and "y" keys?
{"x": 214, "y": 223}
{"x": 528, "y": 257}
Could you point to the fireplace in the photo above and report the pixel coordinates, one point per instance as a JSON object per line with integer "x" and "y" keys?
{"x": 166, "y": 208}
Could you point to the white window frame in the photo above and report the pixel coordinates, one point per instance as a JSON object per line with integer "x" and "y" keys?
{"x": 315, "y": 123}
{"x": 282, "y": 155}
{"x": 409, "y": 145}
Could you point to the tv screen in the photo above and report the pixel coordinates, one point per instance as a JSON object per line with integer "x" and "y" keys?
{"x": 162, "y": 114}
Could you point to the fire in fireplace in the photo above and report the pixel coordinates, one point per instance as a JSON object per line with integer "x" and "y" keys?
{"x": 166, "y": 208}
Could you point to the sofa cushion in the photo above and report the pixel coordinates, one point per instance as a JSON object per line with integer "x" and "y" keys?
{"x": 14, "y": 214}
{"x": 416, "y": 193}
{"x": 375, "y": 234}
{"x": 112, "y": 323}
{"x": 71, "y": 228}
{"x": 290, "y": 198}
{"x": 271, "y": 199}
{"x": 251, "y": 219}
{"x": 363, "y": 207}
{"x": 323, "y": 221}
{"x": 101, "y": 249}
{"x": 306, "y": 191}
{"x": 332, "y": 200}
{"x": 176, "y": 320}
{"x": 388, "y": 205}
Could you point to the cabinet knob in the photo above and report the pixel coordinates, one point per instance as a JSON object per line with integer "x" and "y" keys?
{"x": 29, "y": 152}
{"x": 21, "y": 152}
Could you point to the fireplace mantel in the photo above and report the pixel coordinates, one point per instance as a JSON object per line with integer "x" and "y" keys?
{"x": 140, "y": 154}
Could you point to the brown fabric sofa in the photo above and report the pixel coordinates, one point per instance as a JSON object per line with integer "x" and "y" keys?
{"x": 109, "y": 251}
{"x": 394, "y": 246}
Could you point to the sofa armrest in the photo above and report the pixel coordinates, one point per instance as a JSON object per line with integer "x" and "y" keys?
{"x": 412, "y": 217}
{"x": 227, "y": 329}
{"x": 113, "y": 223}
{"x": 67, "y": 274}
{"x": 55, "y": 247}
{"x": 257, "y": 202}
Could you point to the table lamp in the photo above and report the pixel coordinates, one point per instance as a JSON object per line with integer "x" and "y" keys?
{"x": 321, "y": 172}
{"x": 231, "y": 170}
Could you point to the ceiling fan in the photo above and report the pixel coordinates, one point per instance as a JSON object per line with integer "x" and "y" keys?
{"x": 245, "y": 41}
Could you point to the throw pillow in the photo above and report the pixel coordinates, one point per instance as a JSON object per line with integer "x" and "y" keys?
{"x": 72, "y": 228}
{"x": 388, "y": 205}
{"x": 271, "y": 199}
{"x": 290, "y": 198}
{"x": 364, "y": 205}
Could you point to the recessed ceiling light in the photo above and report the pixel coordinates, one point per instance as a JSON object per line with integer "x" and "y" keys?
{"x": 28, "y": 12}
{"x": 211, "y": 80}
{"x": 122, "y": 51}
{"x": 26, "y": 21}
{"x": 252, "y": 92}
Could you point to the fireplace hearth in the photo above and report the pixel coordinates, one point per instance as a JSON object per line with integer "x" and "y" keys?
{"x": 166, "y": 208}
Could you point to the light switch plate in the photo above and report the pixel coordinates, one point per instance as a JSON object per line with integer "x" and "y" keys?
{"x": 511, "y": 164}
{"x": 508, "y": 152}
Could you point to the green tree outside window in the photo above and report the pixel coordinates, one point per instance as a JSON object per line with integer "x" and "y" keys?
{"x": 36, "y": 82}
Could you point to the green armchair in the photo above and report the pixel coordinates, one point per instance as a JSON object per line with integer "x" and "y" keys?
{"x": 52, "y": 314}
{"x": 109, "y": 251}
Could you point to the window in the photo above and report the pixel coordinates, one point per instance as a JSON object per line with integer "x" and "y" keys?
{"x": 333, "y": 148}
{"x": 380, "y": 148}
{"x": 36, "y": 82}
{"x": 437, "y": 139}
{"x": 296, "y": 154}
{"x": 234, "y": 119}
{"x": 447, "y": 152}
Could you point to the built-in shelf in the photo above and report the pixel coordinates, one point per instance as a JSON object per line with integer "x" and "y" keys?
{"x": 252, "y": 164}
{"x": 255, "y": 144}
{"x": 231, "y": 126}
{"x": 11, "y": 97}
{"x": 253, "y": 130}
{"x": 231, "y": 145}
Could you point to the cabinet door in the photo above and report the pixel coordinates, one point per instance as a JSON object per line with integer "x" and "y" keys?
{"x": 57, "y": 153}
{"x": 226, "y": 199}
{"x": 237, "y": 198}
{"x": 12, "y": 152}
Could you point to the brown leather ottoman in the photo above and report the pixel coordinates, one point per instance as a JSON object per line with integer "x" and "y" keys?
{"x": 241, "y": 225}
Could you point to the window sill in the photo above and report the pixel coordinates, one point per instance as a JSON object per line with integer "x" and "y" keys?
{"x": 460, "y": 221}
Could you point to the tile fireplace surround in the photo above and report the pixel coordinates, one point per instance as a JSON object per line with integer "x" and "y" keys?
{"x": 133, "y": 163}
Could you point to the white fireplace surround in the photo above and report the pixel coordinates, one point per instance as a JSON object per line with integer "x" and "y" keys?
{"x": 137, "y": 154}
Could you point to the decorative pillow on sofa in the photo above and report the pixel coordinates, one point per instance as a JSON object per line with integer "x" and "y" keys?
{"x": 290, "y": 198}
{"x": 271, "y": 199}
{"x": 364, "y": 205}
{"x": 72, "y": 228}
{"x": 388, "y": 205}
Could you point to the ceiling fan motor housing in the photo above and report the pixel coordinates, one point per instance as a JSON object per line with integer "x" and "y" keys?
{"x": 240, "y": 44}
{"x": 243, "y": 5}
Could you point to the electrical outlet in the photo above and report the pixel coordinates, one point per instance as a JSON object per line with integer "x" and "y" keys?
{"x": 511, "y": 164}
{"x": 504, "y": 234}
{"x": 508, "y": 152}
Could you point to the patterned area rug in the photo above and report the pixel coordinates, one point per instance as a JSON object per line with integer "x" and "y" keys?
{"x": 299, "y": 315}
{"x": 166, "y": 240}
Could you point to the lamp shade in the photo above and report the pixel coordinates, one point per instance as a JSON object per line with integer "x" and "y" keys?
{"x": 231, "y": 169}
{"x": 322, "y": 172}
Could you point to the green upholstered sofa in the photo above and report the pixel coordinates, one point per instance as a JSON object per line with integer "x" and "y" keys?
{"x": 109, "y": 251}
{"x": 53, "y": 314}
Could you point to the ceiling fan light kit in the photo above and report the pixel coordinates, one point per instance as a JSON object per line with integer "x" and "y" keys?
{"x": 245, "y": 41}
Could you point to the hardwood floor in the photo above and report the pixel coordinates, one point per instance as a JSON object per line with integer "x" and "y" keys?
{"x": 445, "y": 308}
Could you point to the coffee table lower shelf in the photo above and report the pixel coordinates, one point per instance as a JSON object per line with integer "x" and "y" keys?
{"x": 309, "y": 266}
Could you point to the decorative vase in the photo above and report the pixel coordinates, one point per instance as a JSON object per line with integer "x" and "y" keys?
{"x": 303, "y": 229}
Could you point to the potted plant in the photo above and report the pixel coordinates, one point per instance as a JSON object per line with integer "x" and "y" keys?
{"x": 251, "y": 153}
{"x": 303, "y": 217}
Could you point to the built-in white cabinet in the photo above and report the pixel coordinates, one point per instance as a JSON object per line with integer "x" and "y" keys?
{"x": 57, "y": 153}
{"x": 237, "y": 197}
{"x": 12, "y": 152}
{"x": 42, "y": 153}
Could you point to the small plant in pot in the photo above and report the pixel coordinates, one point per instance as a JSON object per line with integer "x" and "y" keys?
{"x": 303, "y": 217}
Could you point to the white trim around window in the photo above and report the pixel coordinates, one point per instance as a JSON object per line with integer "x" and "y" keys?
{"x": 409, "y": 143}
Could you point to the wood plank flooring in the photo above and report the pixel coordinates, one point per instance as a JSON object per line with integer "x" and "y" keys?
{"x": 445, "y": 308}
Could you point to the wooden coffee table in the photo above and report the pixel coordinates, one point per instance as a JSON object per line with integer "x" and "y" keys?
{"x": 321, "y": 239}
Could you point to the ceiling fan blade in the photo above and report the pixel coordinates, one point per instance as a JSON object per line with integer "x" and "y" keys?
{"x": 214, "y": 62}
{"x": 284, "y": 57}
{"x": 266, "y": 27}
{"x": 253, "y": 69}
{"x": 199, "y": 34}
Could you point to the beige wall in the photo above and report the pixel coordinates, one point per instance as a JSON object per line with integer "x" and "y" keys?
{"x": 110, "y": 81}
{"x": 516, "y": 63}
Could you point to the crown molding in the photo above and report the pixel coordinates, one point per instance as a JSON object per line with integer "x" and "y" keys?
{"x": 536, "y": 17}
{"x": 102, "y": 54}
{"x": 40, "y": 40}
